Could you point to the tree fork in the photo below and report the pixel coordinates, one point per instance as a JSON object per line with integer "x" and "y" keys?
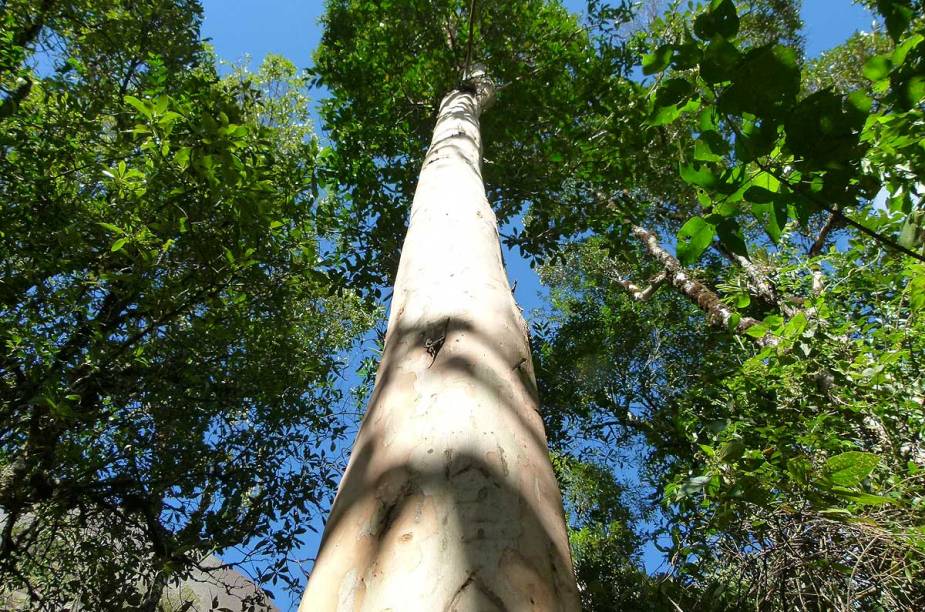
{"x": 718, "y": 314}
{"x": 449, "y": 501}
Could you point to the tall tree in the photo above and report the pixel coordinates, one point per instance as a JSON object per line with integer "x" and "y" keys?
{"x": 449, "y": 500}
{"x": 449, "y": 486}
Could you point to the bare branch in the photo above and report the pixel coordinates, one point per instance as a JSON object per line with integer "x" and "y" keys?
{"x": 718, "y": 314}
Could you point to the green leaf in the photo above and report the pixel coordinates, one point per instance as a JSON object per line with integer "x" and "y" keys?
{"x": 799, "y": 469}
{"x": 850, "y": 468}
{"x": 111, "y": 227}
{"x": 686, "y": 56}
{"x": 160, "y": 105}
{"x": 60, "y": 410}
{"x": 824, "y": 130}
{"x": 693, "y": 485}
{"x": 733, "y": 323}
{"x": 140, "y": 106}
{"x": 673, "y": 91}
{"x": 666, "y": 114}
{"x": 759, "y": 195}
{"x": 858, "y": 105}
{"x": 693, "y": 239}
{"x": 117, "y": 245}
{"x": 913, "y": 90}
{"x": 182, "y": 157}
{"x": 657, "y": 60}
{"x": 902, "y": 49}
{"x": 720, "y": 20}
{"x": 719, "y": 61}
{"x": 769, "y": 208}
{"x": 699, "y": 176}
{"x": 730, "y": 235}
{"x": 795, "y": 326}
{"x": 169, "y": 118}
{"x": 912, "y": 235}
{"x": 671, "y": 98}
{"x": 867, "y": 499}
{"x": 732, "y": 451}
{"x": 877, "y": 68}
{"x": 897, "y": 14}
{"x": 836, "y": 513}
{"x": 766, "y": 83}
{"x": 703, "y": 152}
{"x": 757, "y": 139}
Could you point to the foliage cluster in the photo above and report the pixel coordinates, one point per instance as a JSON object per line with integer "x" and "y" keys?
{"x": 170, "y": 336}
{"x": 786, "y": 454}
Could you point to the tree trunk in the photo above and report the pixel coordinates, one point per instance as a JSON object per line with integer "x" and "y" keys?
{"x": 449, "y": 501}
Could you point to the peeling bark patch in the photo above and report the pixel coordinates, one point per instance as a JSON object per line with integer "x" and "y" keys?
{"x": 494, "y": 458}
{"x": 435, "y": 158}
{"x": 448, "y": 455}
{"x": 528, "y": 581}
{"x": 391, "y": 508}
{"x": 466, "y": 465}
{"x": 473, "y": 581}
{"x": 351, "y": 591}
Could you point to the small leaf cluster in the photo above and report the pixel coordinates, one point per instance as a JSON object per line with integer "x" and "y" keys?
{"x": 766, "y": 150}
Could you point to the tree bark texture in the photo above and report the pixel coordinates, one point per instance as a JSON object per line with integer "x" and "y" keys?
{"x": 449, "y": 501}
{"x": 718, "y": 314}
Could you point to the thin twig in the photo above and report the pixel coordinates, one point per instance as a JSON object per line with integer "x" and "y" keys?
{"x": 469, "y": 40}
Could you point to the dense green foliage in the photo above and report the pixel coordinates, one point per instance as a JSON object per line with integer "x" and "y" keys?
{"x": 785, "y": 455}
{"x": 767, "y": 148}
{"x": 805, "y": 456}
{"x": 181, "y": 260}
{"x": 545, "y": 146}
{"x": 169, "y": 339}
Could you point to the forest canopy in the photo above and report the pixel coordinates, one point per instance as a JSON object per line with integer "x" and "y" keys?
{"x": 731, "y": 234}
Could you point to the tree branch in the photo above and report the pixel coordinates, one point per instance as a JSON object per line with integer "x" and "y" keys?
{"x": 759, "y": 284}
{"x": 833, "y": 222}
{"x": 643, "y": 294}
{"x": 718, "y": 314}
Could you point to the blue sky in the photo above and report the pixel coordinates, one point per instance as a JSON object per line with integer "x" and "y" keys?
{"x": 254, "y": 28}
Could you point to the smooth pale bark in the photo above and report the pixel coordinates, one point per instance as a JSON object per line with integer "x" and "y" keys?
{"x": 449, "y": 501}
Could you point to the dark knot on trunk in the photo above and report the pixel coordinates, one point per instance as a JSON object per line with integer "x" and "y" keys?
{"x": 477, "y": 81}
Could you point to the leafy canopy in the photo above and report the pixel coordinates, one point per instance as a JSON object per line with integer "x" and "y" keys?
{"x": 169, "y": 340}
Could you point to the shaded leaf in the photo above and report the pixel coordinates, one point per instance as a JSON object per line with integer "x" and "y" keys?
{"x": 850, "y": 468}
{"x": 693, "y": 239}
